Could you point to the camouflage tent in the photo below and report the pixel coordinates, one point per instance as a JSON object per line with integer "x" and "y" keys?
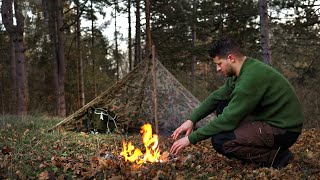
{"x": 131, "y": 99}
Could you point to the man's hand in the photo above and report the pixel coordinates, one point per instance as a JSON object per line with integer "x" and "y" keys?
{"x": 185, "y": 127}
{"x": 180, "y": 144}
{"x": 183, "y": 142}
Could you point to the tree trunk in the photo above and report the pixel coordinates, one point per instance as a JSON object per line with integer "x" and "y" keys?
{"x": 148, "y": 31}
{"x": 194, "y": 38}
{"x": 116, "y": 53}
{"x": 16, "y": 35}
{"x": 54, "y": 8}
{"x": 264, "y": 29}
{"x": 50, "y": 5}
{"x": 23, "y": 93}
{"x": 13, "y": 104}
{"x": 137, "y": 56}
{"x": 92, "y": 51}
{"x": 2, "y": 93}
{"x": 61, "y": 64}
{"x": 82, "y": 95}
{"x": 129, "y": 36}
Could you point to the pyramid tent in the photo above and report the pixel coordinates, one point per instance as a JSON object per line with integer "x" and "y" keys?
{"x": 131, "y": 99}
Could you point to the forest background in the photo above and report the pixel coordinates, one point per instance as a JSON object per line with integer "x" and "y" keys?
{"x": 51, "y": 64}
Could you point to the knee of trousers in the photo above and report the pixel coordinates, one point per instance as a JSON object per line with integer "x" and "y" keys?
{"x": 220, "y": 139}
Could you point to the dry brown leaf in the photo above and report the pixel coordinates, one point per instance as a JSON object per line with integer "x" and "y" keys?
{"x": 6, "y": 150}
{"x": 44, "y": 175}
{"x": 41, "y": 166}
{"x": 116, "y": 178}
{"x": 85, "y": 135}
{"x": 164, "y": 157}
{"x": 56, "y": 162}
{"x": 159, "y": 174}
{"x": 309, "y": 154}
{"x": 179, "y": 177}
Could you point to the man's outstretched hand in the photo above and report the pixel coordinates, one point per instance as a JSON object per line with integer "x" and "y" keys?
{"x": 180, "y": 144}
{"x": 185, "y": 127}
{"x": 183, "y": 142}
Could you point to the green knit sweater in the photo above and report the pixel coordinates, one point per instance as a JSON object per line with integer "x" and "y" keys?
{"x": 259, "y": 91}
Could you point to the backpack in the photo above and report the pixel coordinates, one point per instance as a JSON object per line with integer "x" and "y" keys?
{"x": 100, "y": 120}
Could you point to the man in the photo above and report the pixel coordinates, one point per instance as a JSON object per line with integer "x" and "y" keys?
{"x": 259, "y": 114}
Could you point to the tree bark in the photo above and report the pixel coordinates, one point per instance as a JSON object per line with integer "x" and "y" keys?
{"x": 116, "y": 53}
{"x": 14, "y": 100}
{"x": 54, "y": 8}
{"x": 264, "y": 29}
{"x": 148, "y": 31}
{"x": 61, "y": 63}
{"x": 82, "y": 94}
{"x": 16, "y": 35}
{"x": 138, "y": 54}
{"x": 129, "y": 36}
{"x": 92, "y": 51}
{"x": 2, "y": 93}
{"x": 194, "y": 38}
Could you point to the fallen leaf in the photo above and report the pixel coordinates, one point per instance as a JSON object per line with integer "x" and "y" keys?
{"x": 116, "y": 178}
{"x": 164, "y": 157}
{"x": 41, "y": 166}
{"x": 44, "y": 175}
{"x": 6, "y": 150}
{"x": 26, "y": 131}
{"x": 56, "y": 162}
{"x": 309, "y": 154}
{"x": 83, "y": 134}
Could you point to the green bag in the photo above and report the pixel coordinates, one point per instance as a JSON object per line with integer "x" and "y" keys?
{"x": 100, "y": 120}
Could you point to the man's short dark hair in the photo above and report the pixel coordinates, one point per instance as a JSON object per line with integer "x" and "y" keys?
{"x": 223, "y": 47}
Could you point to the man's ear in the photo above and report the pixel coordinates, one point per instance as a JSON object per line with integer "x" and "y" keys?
{"x": 231, "y": 58}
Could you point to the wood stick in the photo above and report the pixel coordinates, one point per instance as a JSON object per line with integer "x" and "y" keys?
{"x": 155, "y": 93}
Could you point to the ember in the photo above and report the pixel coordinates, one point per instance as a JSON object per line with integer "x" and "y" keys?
{"x": 150, "y": 141}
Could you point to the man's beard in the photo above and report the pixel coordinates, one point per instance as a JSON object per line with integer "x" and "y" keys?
{"x": 229, "y": 72}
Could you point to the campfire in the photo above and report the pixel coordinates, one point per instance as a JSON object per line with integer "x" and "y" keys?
{"x": 150, "y": 141}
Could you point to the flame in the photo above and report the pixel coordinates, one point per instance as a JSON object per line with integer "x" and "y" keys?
{"x": 150, "y": 141}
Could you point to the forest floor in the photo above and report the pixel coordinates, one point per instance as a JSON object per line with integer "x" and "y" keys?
{"x": 29, "y": 151}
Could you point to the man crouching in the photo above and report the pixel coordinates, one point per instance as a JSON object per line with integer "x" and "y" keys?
{"x": 259, "y": 116}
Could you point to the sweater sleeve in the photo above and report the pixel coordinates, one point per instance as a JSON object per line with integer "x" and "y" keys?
{"x": 210, "y": 103}
{"x": 241, "y": 104}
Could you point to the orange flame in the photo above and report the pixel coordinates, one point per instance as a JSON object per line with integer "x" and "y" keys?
{"x": 150, "y": 141}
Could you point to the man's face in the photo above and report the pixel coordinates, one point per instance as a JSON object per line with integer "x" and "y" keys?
{"x": 224, "y": 66}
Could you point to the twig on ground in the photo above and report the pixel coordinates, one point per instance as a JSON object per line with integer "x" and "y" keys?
{"x": 302, "y": 171}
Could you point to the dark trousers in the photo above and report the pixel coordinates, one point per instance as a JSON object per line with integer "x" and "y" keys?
{"x": 253, "y": 141}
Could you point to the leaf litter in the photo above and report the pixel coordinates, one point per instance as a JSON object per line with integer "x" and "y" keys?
{"x": 36, "y": 154}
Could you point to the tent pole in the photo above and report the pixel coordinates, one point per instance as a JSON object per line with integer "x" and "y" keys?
{"x": 155, "y": 93}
